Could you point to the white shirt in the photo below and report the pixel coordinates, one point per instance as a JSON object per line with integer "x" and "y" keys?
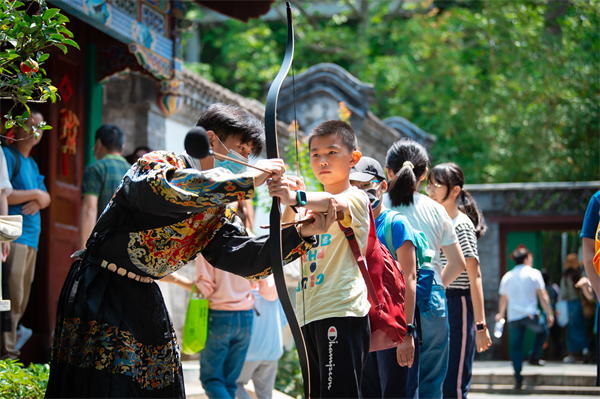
{"x": 4, "y": 177}
{"x": 520, "y": 285}
{"x": 432, "y": 219}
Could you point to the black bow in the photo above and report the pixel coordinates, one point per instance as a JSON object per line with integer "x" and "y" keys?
{"x": 275, "y": 216}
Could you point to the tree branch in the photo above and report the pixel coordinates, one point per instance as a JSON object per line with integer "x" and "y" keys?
{"x": 306, "y": 14}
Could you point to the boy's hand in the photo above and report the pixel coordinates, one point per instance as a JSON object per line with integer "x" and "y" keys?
{"x": 322, "y": 221}
{"x": 405, "y": 352}
{"x": 275, "y": 166}
{"x": 297, "y": 182}
{"x": 285, "y": 189}
{"x": 30, "y": 208}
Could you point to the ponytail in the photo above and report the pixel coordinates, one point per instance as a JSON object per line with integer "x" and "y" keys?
{"x": 408, "y": 160}
{"x": 470, "y": 208}
{"x": 402, "y": 187}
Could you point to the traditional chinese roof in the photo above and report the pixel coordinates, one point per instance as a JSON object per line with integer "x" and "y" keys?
{"x": 242, "y": 10}
{"x": 317, "y": 94}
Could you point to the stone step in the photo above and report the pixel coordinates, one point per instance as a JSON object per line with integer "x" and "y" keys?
{"x": 591, "y": 391}
{"x": 536, "y": 379}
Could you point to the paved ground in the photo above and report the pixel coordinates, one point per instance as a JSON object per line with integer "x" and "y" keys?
{"x": 551, "y": 368}
{"x": 510, "y": 396}
{"x": 491, "y": 380}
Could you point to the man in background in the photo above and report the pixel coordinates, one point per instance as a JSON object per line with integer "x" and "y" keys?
{"x": 524, "y": 285}
{"x": 28, "y": 197}
{"x": 101, "y": 179}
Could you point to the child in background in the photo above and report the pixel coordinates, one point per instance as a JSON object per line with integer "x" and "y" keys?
{"x": 391, "y": 373}
{"x": 468, "y": 330}
{"x": 331, "y": 300}
{"x": 266, "y": 343}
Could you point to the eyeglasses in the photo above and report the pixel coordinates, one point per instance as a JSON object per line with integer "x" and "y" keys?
{"x": 432, "y": 186}
{"x": 364, "y": 185}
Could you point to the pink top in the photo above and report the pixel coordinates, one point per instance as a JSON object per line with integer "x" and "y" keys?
{"x": 226, "y": 291}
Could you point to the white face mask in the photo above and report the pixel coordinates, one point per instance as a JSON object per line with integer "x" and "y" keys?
{"x": 235, "y": 168}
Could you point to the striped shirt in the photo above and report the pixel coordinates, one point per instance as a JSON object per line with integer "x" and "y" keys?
{"x": 467, "y": 238}
{"x": 103, "y": 177}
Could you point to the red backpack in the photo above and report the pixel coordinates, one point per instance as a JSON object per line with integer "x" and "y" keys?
{"x": 385, "y": 284}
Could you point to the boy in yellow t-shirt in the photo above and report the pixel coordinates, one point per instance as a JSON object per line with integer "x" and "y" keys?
{"x": 331, "y": 300}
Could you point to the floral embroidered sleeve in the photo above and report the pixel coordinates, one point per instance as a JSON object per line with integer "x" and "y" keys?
{"x": 160, "y": 184}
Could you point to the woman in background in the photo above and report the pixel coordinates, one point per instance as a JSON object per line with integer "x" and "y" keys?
{"x": 466, "y": 312}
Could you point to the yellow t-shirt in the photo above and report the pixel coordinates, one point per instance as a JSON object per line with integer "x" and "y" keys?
{"x": 331, "y": 279}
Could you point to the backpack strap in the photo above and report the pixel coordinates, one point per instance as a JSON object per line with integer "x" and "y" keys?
{"x": 387, "y": 230}
{"x": 17, "y": 167}
{"x": 360, "y": 259}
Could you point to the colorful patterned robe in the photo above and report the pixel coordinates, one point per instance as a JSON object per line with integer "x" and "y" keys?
{"x": 113, "y": 336}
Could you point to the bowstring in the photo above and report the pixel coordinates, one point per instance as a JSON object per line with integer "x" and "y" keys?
{"x": 298, "y": 174}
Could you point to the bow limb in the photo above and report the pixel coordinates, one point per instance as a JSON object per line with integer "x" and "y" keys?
{"x": 275, "y": 216}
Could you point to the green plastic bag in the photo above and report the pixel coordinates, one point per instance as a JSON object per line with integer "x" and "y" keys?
{"x": 195, "y": 329}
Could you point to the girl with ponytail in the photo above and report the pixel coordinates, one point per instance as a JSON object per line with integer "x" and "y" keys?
{"x": 465, "y": 294}
{"x": 406, "y": 165}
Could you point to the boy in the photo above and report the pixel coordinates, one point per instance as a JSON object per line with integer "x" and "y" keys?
{"x": 332, "y": 301}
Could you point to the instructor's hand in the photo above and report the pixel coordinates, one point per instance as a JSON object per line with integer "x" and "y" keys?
{"x": 322, "y": 222}
{"x": 405, "y": 352}
{"x": 275, "y": 166}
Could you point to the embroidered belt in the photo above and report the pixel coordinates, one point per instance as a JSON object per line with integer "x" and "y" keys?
{"x": 112, "y": 267}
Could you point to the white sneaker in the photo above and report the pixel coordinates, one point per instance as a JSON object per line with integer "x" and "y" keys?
{"x": 569, "y": 359}
{"x": 23, "y": 335}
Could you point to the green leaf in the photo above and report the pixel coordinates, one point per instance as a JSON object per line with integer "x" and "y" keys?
{"x": 9, "y": 123}
{"x": 71, "y": 43}
{"x": 62, "y": 19}
{"x": 58, "y": 37}
{"x": 64, "y": 30}
{"x": 46, "y": 127}
{"x": 49, "y": 13}
{"x": 62, "y": 47}
{"x": 43, "y": 57}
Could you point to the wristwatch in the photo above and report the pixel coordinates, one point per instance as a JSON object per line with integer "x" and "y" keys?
{"x": 410, "y": 330}
{"x": 302, "y": 200}
{"x": 481, "y": 326}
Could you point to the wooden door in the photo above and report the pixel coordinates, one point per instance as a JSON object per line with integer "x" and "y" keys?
{"x": 60, "y": 222}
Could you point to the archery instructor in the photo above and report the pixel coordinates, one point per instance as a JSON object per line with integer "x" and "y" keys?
{"x": 113, "y": 336}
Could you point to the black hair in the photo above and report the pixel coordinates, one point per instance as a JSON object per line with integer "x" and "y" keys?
{"x": 228, "y": 120}
{"x": 132, "y": 158}
{"x": 111, "y": 137}
{"x": 339, "y": 129}
{"x": 573, "y": 274}
{"x": 408, "y": 160}
{"x": 520, "y": 254}
{"x": 450, "y": 175}
{"x": 546, "y": 276}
